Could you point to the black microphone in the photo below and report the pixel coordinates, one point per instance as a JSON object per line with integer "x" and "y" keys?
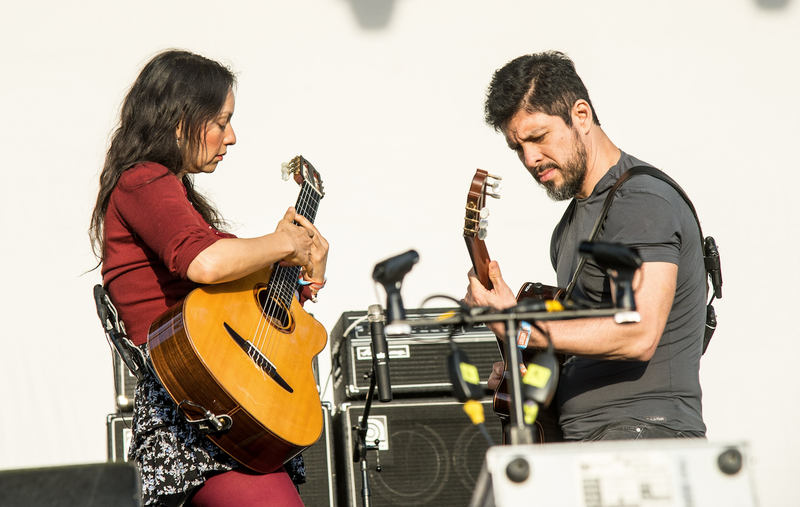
{"x": 380, "y": 353}
{"x": 620, "y": 263}
{"x": 391, "y": 271}
{"x": 611, "y": 255}
{"x": 390, "y": 274}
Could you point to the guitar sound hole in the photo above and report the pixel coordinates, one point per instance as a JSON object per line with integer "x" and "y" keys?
{"x": 274, "y": 309}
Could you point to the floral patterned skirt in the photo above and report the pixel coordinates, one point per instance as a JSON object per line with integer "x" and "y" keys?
{"x": 172, "y": 456}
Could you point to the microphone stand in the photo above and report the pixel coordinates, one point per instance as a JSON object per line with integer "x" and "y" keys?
{"x": 518, "y": 433}
{"x": 390, "y": 274}
{"x": 379, "y": 376}
{"x": 361, "y": 447}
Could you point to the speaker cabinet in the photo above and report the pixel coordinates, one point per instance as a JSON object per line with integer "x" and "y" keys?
{"x": 417, "y": 363}
{"x": 95, "y": 485}
{"x": 124, "y": 384}
{"x": 320, "y": 487}
{"x": 119, "y": 436}
{"x": 430, "y": 453}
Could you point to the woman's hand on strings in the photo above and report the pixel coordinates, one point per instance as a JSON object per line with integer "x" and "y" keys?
{"x": 309, "y": 247}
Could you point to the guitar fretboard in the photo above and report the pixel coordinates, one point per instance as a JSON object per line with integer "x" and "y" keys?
{"x": 283, "y": 282}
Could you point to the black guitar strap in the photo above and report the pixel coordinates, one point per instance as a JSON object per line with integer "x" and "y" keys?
{"x": 710, "y": 253}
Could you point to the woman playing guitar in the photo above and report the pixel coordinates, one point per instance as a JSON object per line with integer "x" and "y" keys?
{"x": 157, "y": 239}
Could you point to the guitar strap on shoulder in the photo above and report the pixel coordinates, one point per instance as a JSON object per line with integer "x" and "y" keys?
{"x": 710, "y": 253}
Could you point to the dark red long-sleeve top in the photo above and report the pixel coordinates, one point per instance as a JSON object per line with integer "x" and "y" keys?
{"x": 152, "y": 234}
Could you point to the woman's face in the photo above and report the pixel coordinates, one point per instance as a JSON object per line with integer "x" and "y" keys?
{"x": 218, "y": 136}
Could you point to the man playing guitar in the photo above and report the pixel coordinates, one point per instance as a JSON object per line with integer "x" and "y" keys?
{"x": 634, "y": 381}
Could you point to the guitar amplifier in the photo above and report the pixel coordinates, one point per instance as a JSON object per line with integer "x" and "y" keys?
{"x": 417, "y": 363}
{"x": 119, "y": 436}
{"x": 124, "y": 384}
{"x": 320, "y": 487}
{"x": 429, "y": 452}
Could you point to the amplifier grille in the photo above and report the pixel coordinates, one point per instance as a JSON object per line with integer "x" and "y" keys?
{"x": 432, "y": 453}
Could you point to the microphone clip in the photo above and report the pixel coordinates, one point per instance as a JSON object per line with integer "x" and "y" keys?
{"x": 390, "y": 274}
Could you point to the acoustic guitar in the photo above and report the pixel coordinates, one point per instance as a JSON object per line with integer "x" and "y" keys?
{"x": 237, "y": 357}
{"x": 475, "y": 232}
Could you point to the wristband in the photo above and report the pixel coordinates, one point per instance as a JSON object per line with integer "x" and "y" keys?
{"x": 317, "y": 285}
{"x": 524, "y": 335}
{"x": 302, "y": 280}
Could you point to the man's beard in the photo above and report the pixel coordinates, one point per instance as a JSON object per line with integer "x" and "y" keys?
{"x": 573, "y": 171}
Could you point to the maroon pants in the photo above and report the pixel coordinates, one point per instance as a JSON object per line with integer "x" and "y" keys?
{"x": 240, "y": 488}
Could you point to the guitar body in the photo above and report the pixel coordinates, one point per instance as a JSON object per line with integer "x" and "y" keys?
{"x": 197, "y": 360}
{"x": 547, "y": 419}
{"x": 242, "y": 351}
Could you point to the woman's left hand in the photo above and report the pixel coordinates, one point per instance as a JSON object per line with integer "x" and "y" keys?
{"x": 318, "y": 253}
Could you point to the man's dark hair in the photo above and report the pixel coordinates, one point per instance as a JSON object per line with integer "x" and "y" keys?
{"x": 538, "y": 83}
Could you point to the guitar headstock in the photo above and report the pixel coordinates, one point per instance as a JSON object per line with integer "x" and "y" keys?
{"x": 303, "y": 172}
{"x": 476, "y": 220}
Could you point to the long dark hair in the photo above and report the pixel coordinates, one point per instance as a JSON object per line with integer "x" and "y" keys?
{"x": 538, "y": 83}
{"x": 175, "y": 88}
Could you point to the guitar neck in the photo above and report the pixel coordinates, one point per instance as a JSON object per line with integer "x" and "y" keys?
{"x": 283, "y": 281}
{"x": 480, "y": 259}
{"x": 308, "y": 202}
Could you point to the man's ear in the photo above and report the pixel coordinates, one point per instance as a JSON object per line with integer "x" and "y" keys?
{"x": 582, "y": 117}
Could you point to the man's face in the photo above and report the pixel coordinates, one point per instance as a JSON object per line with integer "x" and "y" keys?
{"x": 550, "y": 150}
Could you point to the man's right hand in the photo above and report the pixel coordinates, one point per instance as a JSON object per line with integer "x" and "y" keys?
{"x": 500, "y": 297}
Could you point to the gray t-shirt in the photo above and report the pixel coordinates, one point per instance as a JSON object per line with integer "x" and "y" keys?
{"x": 651, "y": 216}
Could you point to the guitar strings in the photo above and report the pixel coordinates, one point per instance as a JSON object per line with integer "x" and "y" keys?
{"x": 281, "y": 288}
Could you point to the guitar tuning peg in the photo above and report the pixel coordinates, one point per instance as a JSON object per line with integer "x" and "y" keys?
{"x": 482, "y": 233}
{"x": 285, "y": 171}
{"x": 484, "y": 212}
{"x": 496, "y": 186}
{"x": 483, "y": 223}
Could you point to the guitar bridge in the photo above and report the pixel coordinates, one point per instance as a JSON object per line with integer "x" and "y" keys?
{"x": 258, "y": 357}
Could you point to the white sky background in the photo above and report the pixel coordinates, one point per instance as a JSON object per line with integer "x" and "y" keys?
{"x": 389, "y": 110}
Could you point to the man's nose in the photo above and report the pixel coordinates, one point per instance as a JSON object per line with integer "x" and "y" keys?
{"x": 531, "y": 157}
